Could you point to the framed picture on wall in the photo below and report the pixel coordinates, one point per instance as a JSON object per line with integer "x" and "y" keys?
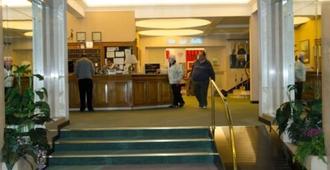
{"x": 304, "y": 47}
{"x": 96, "y": 36}
{"x": 81, "y": 36}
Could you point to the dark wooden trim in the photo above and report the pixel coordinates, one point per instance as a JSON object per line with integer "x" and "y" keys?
{"x": 254, "y": 102}
{"x": 266, "y": 120}
{"x": 238, "y": 85}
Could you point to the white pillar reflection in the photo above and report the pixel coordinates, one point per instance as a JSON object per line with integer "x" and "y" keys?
{"x": 276, "y": 44}
{"x": 50, "y": 52}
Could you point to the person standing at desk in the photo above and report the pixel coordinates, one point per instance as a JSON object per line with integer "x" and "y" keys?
{"x": 175, "y": 75}
{"x": 201, "y": 72}
{"x": 84, "y": 70}
{"x": 300, "y": 75}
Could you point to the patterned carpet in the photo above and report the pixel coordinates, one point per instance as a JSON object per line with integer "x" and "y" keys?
{"x": 244, "y": 113}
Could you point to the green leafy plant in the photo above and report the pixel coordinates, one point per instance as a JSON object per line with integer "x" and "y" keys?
{"x": 302, "y": 120}
{"x": 313, "y": 146}
{"x": 25, "y": 133}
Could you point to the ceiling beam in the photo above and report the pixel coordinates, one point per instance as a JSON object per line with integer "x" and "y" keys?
{"x": 210, "y": 28}
{"x": 76, "y": 9}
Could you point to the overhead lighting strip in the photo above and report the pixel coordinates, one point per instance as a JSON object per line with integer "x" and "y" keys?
{"x": 108, "y": 3}
{"x": 180, "y": 32}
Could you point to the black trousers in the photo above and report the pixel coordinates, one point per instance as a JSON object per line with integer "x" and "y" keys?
{"x": 86, "y": 89}
{"x": 177, "y": 97}
{"x": 299, "y": 90}
{"x": 200, "y": 89}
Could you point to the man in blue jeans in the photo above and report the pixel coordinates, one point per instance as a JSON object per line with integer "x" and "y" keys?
{"x": 84, "y": 70}
{"x": 201, "y": 72}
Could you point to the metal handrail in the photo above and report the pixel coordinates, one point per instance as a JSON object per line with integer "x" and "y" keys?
{"x": 214, "y": 90}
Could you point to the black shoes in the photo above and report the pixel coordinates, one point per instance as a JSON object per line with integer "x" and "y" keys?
{"x": 177, "y": 106}
{"x": 173, "y": 106}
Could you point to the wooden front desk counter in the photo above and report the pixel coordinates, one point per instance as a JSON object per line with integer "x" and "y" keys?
{"x": 124, "y": 91}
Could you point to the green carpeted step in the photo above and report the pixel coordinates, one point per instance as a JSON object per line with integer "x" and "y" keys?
{"x": 102, "y": 144}
{"x": 124, "y": 146}
{"x": 136, "y": 133}
{"x": 134, "y": 157}
{"x": 191, "y": 166}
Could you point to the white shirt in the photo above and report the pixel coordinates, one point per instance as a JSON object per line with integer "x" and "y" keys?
{"x": 300, "y": 71}
{"x": 175, "y": 74}
{"x": 8, "y": 80}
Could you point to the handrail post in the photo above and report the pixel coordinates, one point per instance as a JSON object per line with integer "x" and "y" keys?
{"x": 215, "y": 89}
{"x": 212, "y": 110}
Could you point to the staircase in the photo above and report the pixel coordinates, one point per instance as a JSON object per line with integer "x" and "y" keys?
{"x": 184, "y": 146}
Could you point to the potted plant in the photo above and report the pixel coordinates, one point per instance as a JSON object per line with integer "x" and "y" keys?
{"x": 25, "y": 133}
{"x": 302, "y": 120}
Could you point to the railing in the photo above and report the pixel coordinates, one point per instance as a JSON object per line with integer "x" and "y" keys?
{"x": 215, "y": 90}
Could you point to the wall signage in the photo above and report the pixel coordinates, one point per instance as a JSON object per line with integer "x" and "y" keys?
{"x": 185, "y": 41}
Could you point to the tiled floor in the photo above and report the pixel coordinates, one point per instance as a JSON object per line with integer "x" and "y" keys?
{"x": 244, "y": 113}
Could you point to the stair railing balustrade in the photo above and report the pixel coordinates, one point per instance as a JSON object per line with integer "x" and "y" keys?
{"x": 215, "y": 91}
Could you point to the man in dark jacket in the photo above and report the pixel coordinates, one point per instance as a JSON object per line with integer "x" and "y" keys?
{"x": 202, "y": 71}
{"x": 84, "y": 70}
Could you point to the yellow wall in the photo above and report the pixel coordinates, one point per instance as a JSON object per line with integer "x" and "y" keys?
{"x": 116, "y": 26}
{"x": 308, "y": 31}
{"x": 20, "y": 50}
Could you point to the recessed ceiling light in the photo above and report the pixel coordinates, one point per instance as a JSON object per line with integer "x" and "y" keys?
{"x": 300, "y": 20}
{"x": 28, "y": 34}
{"x": 16, "y": 3}
{"x": 20, "y": 25}
{"x": 183, "y": 32}
{"x": 107, "y": 3}
{"x": 172, "y": 23}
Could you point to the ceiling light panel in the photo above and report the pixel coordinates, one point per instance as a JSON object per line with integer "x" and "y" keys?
{"x": 183, "y": 32}
{"x": 16, "y": 3}
{"x": 19, "y": 25}
{"x": 300, "y": 20}
{"x": 172, "y": 23}
{"x": 107, "y": 3}
{"x": 28, "y": 34}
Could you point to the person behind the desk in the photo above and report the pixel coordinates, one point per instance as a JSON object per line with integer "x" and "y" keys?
{"x": 84, "y": 70}
{"x": 202, "y": 71}
{"x": 7, "y": 73}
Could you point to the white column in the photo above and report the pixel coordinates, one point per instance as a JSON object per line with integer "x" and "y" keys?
{"x": 326, "y": 73}
{"x": 50, "y": 53}
{"x": 254, "y": 58}
{"x": 2, "y": 98}
{"x": 276, "y": 52}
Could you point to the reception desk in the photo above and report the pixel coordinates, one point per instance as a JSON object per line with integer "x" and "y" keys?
{"x": 124, "y": 91}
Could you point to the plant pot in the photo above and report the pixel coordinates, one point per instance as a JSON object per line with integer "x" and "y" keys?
{"x": 315, "y": 163}
{"x": 20, "y": 164}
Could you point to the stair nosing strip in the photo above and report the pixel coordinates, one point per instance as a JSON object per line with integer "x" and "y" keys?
{"x": 136, "y": 155}
{"x": 135, "y": 128}
{"x": 134, "y": 141}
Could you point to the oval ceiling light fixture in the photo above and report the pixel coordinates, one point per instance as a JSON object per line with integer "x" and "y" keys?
{"x": 116, "y": 3}
{"x": 183, "y": 32}
{"x": 28, "y": 34}
{"x": 172, "y": 23}
{"x": 19, "y": 25}
{"x": 300, "y": 20}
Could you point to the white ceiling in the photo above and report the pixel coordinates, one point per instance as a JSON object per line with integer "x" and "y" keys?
{"x": 225, "y": 19}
